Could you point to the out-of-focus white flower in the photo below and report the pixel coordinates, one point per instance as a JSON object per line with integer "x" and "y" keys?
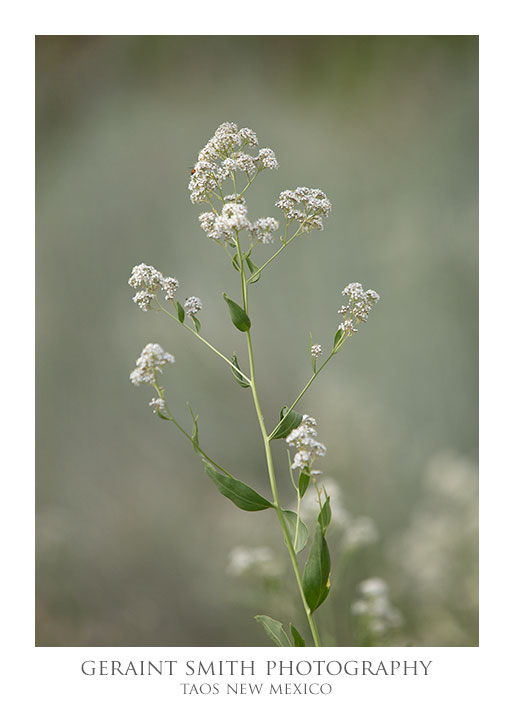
{"x": 259, "y": 561}
{"x": 150, "y": 362}
{"x": 360, "y": 531}
{"x": 374, "y": 609}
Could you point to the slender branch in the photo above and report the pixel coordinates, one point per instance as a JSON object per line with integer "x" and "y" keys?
{"x": 160, "y": 392}
{"x": 285, "y": 244}
{"x": 192, "y": 330}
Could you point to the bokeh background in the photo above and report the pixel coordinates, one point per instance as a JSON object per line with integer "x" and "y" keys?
{"x": 133, "y": 542}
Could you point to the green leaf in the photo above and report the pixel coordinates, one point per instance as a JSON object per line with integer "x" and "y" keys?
{"x": 236, "y": 262}
{"x": 163, "y": 417}
{"x": 298, "y": 640}
{"x": 315, "y": 581}
{"x": 180, "y": 311}
{"x": 252, "y": 268}
{"x": 274, "y": 630}
{"x": 194, "y": 434}
{"x": 238, "y": 316}
{"x": 304, "y": 480}
{"x": 324, "y": 517}
{"x": 338, "y": 340}
{"x": 196, "y": 323}
{"x": 237, "y": 374}
{"x": 302, "y": 536}
{"x": 239, "y": 493}
{"x": 287, "y": 424}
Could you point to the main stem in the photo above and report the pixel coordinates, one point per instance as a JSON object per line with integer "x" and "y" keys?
{"x": 270, "y": 464}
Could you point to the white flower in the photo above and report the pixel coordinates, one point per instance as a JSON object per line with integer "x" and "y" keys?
{"x": 262, "y": 229}
{"x": 373, "y": 587}
{"x": 374, "y": 607}
{"x": 146, "y": 276}
{"x": 192, "y": 305}
{"x": 268, "y": 159}
{"x": 359, "y": 306}
{"x": 143, "y": 299}
{"x": 316, "y": 351}
{"x": 360, "y": 531}
{"x": 305, "y": 205}
{"x": 247, "y": 137}
{"x": 308, "y": 448}
{"x": 169, "y": 286}
{"x": 259, "y": 561}
{"x": 150, "y": 362}
{"x": 158, "y": 405}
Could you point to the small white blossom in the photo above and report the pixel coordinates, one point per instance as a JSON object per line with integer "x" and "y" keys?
{"x": 308, "y": 448}
{"x": 268, "y": 159}
{"x": 158, "y": 405}
{"x": 305, "y": 205}
{"x": 143, "y": 299}
{"x": 143, "y": 275}
{"x": 150, "y": 362}
{"x": 247, "y": 137}
{"x": 359, "y": 306}
{"x": 169, "y": 286}
{"x": 192, "y": 305}
{"x": 316, "y": 351}
{"x": 262, "y": 229}
{"x": 360, "y": 531}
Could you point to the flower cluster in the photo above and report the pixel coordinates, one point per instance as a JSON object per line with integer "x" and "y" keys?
{"x": 374, "y": 608}
{"x": 158, "y": 405}
{"x": 192, "y": 305}
{"x": 148, "y": 280}
{"x": 234, "y": 218}
{"x": 308, "y": 448}
{"x": 359, "y": 306}
{"x": 305, "y": 205}
{"x": 222, "y": 156}
{"x": 150, "y": 362}
{"x": 316, "y": 351}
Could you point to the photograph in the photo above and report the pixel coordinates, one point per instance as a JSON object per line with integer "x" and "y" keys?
{"x": 256, "y": 340}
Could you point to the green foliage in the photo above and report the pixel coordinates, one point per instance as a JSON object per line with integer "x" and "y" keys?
{"x": 238, "y": 316}
{"x": 194, "y": 434}
{"x": 196, "y": 323}
{"x": 315, "y": 581}
{"x": 287, "y": 424}
{"x": 338, "y": 340}
{"x": 304, "y": 480}
{"x": 252, "y": 268}
{"x": 302, "y": 532}
{"x": 237, "y": 374}
{"x": 180, "y": 311}
{"x": 239, "y": 493}
{"x": 324, "y": 517}
{"x": 274, "y": 630}
{"x": 298, "y": 640}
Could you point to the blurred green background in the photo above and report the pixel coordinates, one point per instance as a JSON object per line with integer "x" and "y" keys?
{"x": 133, "y": 541}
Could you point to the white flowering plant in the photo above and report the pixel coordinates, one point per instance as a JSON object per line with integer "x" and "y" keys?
{"x": 231, "y": 157}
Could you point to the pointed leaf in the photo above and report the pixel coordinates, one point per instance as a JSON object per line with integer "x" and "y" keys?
{"x": 194, "y": 434}
{"x": 274, "y": 630}
{"x": 252, "y": 268}
{"x": 239, "y": 493}
{"x": 338, "y": 340}
{"x": 302, "y": 533}
{"x": 298, "y": 640}
{"x": 180, "y": 311}
{"x": 315, "y": 581}
{"x": 237, "y": 374}
{"x": 287, "y": 424}
{"x": 196, "y": 323}
{"x": 163, "y": 417}
{"x": 324, "y": 517}
{"x": 236, "y": 262}
{"x": 304, "y": 480}
{"x": 238, "y": 316}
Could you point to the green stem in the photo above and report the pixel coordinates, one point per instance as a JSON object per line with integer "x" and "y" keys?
{"x": 270, "y": 465}
{"x": 192, "y": 330}
{"x": 302, "y": 392}
{"x": 160, "y": 392}
{"x": 285, "y": 244}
